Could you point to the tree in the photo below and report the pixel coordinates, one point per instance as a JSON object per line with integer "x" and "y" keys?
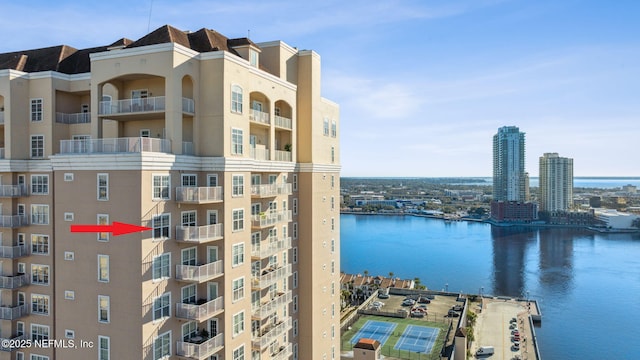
{"x": 366, "y": 272}
{"x": 391, "y": 274}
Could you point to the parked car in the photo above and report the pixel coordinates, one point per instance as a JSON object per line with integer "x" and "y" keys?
{"x": 515, "y": 332}
{"x": 424, "y": 300}
{"x": 515, "y": 347}
{"x": 513, "y": 326}
{"x": 485, "y": 350}
{"x": 383, "y": 296}
{"x": 457, "y": 308}
{"x": 408, "y": 302}
{"x": 378, "y": 303}
{"x": 452, "y": 313}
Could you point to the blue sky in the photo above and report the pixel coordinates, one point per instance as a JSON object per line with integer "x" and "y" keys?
{"x": 422, "y": 85}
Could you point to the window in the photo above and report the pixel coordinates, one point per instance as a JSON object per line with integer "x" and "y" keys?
{"x": 333, "y": 154}
{"x": 39, "y": 332}
{"x": 68, "y": 176}
{"x": 39, "y": 274}
{"x": 295, "y": 328}
{"x": 103, "y": 187}
{"x": 69, "y": 255}
{"x": 295, "y": 182}
{"x": 333, "y": 245}
{"x": 103, "y": 308}
{"x": 68, "y": 216}
{"x": 295, "y": 279}
{"x": 236, "y": 99}
{"x": 19, "y": 355}
{"x": 162, "y": 306}
{"x": 189, "y": 256}
{"x": 69, "y": 295}
{"x": 40, "y": 244}
{"x": 21, "y": 210}
{"x": 189, "y": 330}
{"x": 188, "y": 218}
{"x": 333, "y": 203}
{"x": 103, "y": 268}
{"x": 161, "y": 225}
{"x": 189, "y": 180}
{"x": 238, "y": 289}
{"x": 333, "y": 224}
{"x": 36, "y": 109}
{"x": 145, "y": 133}
{"x": 189, "y": 294}
{"x": 39, "y": 304}
{"x": 39, "y": 214}
{"x": 162, "y": 266}
{"x": 295, "y": 303}
{"x": 38, "y": 357}
{"x": 238, "y": 219}
{"x": 237, "y": 252}
{"x": 69, "y": 334}
{"x": 238, "y": 323}
{"x": 37, "y": 146}
{"x": 104, "y": 348}
{"x": 40, "y": 184}
{"x": 212, "y": 180}
{"x": 294, "y": 230}
{"x": 161, "y": 184}
{"x": 237, "y": 142}
{"x": 162, "y": 346}
{"x": 325, "y": 127}
{"x": 294, "y": 206}
{"x": 333, "y": 181}
{"x": 294, "y": 256}
{"x": 237, "y": 185}
{"x": 103, "y": 219}
{"x": 334, "y": 128}
{"x": 253, "y": 58}
{"x": 238, "y": 354}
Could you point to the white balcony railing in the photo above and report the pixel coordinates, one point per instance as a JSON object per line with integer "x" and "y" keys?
{"x": 282, "y": 122}
{"x": 260, "y": 154}
{"x": 270, "y": 333}
{"x": 199, "y": 195}
{"x": 188, "y": 106}
{"x": 12, "y": 221}
{"x": 263, "y": 310}
{"x": 282, "y": 353}
{"x": 271, "y": 190}
{"x": 200, "y": 312}
{"x": 1, "y": 117}
{"x": 12, "y": 190}
{"x": 6, "y": 344}
{"x": 283, "y": 155}
{"x": 270, "y": 218}
{"x": 200, "y": 351}
{"x": 270, "y": 277}
{"x": 13, "y": 252}
{"x": 187, "y": 148}
{"x": 199, "y": 273}
{"x": 271, "y": 248}
{"x": 124, "y": 106}
{"x": 76, "y": 118}
{"x": 12, "y": 313}
{"x": 259, "y": 116}
{"x": 13, "y": 282}
{"x": 115, "y": 145}
{"x": 199, "y": 234}
{"x": 1, "y": 153}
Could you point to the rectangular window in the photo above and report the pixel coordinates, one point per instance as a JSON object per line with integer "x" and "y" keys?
{"x": 295, "y": 328}
{"x": 188, "y": 218}
{"x": 69, "y": 295}
{"x": 212, "y": 180}
{"x": 161, "y": 184}
{"x": 294, "y": 256}
{"x": 68, "y": 176}
{"x": 162, "y": 346}
{"x": 39, "y": 304}
{"x": 37, "y": 146}
{"x": 68, "y": 216}
{"x": 69, "y": 334}
{"x": 237, "y": 253}
{"x": 39, "y": 274}
{"x": 333, "y": 245}
{"x": 333, "y": 154}
{"x": 39, "y": 244}
{"x": 294, "y": 230}
{"x": 103, "y": 268}
{"x": 237, "y": 138}
{"x": 162, "y": 266}
{"x": 333, "y": 203}
{"x": 38, "y": 357}
{"x": 103, "y": 187}
{"x": 103, "y": 219}
{"x": 238, "y": 354}
{"x": 333, "y": 181}
{"x": 39, "y": 332}
{"x": 295, "y": 182}
{"x": 333, "y": 224}
{"x": 295, "y": 279}
{"x": 325, "y": 127}
{"x": 236, "y": 99}
{"x": 294, "y": 206}
{"x": 333, "y": 267}
{"x": 189, "y": 180}
{"x": 238, "y": 219}
{"x": 295, "y": 303}
{"x": 36, "y": 109}
{"x": 40, "y": 184}
{"x": 69, "y": 255}
{"x": 237, "y": 185}
{"x": 104, "y": 348}
{"x": 238, "y": 323}
{"x": 161, "y": 226}
{"x": 103, "y": 309}
{"x": 162, "y": 306}
{"x": 238, "y": 289}
{"x": 39, "y": 214}
{"x": 334, "y": 128}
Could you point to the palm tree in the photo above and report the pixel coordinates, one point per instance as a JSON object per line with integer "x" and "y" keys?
{"x": 366, "y": 272}
{"x": 391, "y": 274}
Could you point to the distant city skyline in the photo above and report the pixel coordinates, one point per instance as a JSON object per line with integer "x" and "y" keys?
{"x": 422, "y": 86}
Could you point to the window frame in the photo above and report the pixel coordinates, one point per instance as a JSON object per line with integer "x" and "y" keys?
{"x": 99, "y": 195}
{"x": 39, "y": 217}
{"x": 102, "y": 219}
{"x": 39, "y": 247}
{"x": 238, "y": 320}
{"x": 237, "y": 223}
{"x": 164, "y": 353}
{"x": 237, "y": 98}
{"x": 39, "y": 149}
{"x": 40, "y": 304}
{"x": 42, "y": 185}
{"x": 36, "y": 109}
{"x": 101, "y": 349}
{"x": 158, "y": 225}
{"x": 102, "y": 309}
{"x": 237, "y": 185}
{"x": 106, "y": 271}
{"x": 237, "y": 141}
{"x": 162, "y": 307}
{"x": 160, "y": 188}
{"x": 237, "y": 254}
{"x": 237, "y": 288}
{"x": 40, "y": 271}
{"x": 158, "y": 266}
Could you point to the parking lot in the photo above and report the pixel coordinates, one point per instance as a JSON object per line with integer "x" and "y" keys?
{"x": 435, "y": 310}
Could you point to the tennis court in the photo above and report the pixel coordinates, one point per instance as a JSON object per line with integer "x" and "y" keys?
{"x": 376, "y": 330}
{"x": 419, "y": 339}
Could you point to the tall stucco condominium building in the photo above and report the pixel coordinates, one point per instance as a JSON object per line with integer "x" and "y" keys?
{"x": 509, "y": 177}
{"x": 556, "y": 182}
{"x": 224, "y": 147}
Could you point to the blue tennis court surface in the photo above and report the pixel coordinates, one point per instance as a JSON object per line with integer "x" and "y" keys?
{"x": 376, "y": 330}
{"x": 417, "y": 339}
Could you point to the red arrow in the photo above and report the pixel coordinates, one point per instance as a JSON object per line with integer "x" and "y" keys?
{"x": 117, "y": 228}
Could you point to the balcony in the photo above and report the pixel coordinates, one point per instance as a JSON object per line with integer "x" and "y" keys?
{"x": 199, "y": 234}
{"x": 115, "y": 145}
{"x": 13, "y": 252}
{"x": 12, "y": 313}
{"x": 1, "y": 153}
{"x": 264, "y": 310}
{"x": 283, "y": 155}
{"x": 282, "y": 122}
{"x": 188, "y": 106}
{"x": 200, "y": 273}
{"x": 260, "y": 251}
{"x": 200, "y": 312}
{"x": 13, "y": 221}
{"x": 14, "y": 340}
{"x": 2, "y": 117}
{"x": 259, "y": 117}
{"x": 187, "y": 148}
{"x": 10, "y": 191}
{"x": 202, "y": 350}
{"x": 76, "y": 118}
{"x": 270, "y": 333}
{"x": 270, "y": 219}
{"x": 127, "y": 106}
{"x": 270, "y": 190}
{"x": 282, "y": 353}
{"x": 270, "y": 277}
{"x": 199, "y": 195}
{"x": 13, "y": 282}
{"x": 260, "y": 154}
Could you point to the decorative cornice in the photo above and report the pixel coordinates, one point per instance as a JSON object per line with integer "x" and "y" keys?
{"x": 25, "y": 166}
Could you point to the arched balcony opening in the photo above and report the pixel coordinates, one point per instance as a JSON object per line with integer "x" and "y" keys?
{"x": 260, "y": 126}
{"x": 188, "y": 111}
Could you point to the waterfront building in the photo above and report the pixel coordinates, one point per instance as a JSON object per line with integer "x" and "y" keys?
{"x": 556, "y": 182}
{"x": 613, "y": 219}
{"x": 509, "y": 177}
{"x": 225, "y": 148}
{"x": 514, "y": 211}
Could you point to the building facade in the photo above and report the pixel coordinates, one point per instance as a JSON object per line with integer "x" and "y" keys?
{"x": 509, "y": 177}
{"x": 224, "y": 147}
{"x": 556, "y": 182}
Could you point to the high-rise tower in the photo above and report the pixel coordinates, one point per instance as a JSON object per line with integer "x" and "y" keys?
{"x": 556, "y": 182}
{"x": 509, "y": 179}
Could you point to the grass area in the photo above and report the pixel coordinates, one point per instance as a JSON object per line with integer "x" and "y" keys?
{"x": 387, "y": 347}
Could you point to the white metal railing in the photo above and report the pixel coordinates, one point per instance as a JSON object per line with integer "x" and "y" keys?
{"x": 283, "y": 155}
{"x": 260, "y": 154}
{"x": 200, "y": 312}
{"x": 269, "y": 278}
{"x": 199, "y": 234}
{"x": 283, "y": 353}
{"x": 11, "y": 221}
{"x": 12, "y": 252}
{"x": 270, "y": 218}
{"x": 271, "y": 248}
{"x": 282, "y": 122}
{"x": 124, "y": 106}
{"x": 1, "y": 153}
{"x": 268, "y": 308}
{"x": 270, "y": 333}
{"x": 199, "y": 195}
{"x": 187, "y": 148}
{"x": 199, "y": 273}
{"x": 259, "y": 116}
{"x": 13, "y": 282}
{"x": 12, "y": 190}
{"x": 115, "y": 145}
{"x": 1, "y": 117}
{"x": 271, "y": 189}
{"x": 76, "y": 118}
{"x": 6, "y": 344}
{"x": 12, "y": 313}
{"x": 188, "y": 105}
{"x": 200, "y": 351}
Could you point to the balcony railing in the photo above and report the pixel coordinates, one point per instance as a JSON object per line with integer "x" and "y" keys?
{"x": 1, "y": 153}
{"x": 13, "y": 252}
{"x": 282, "y": 122}
{"x": 200, "y": 312}
{"x": 283, "y": 353}
{"x": 201, "y": 351}
{"x": 269, "y": 278}
{"x": 199, "y": 195}
{"x": 12, "y": 313}
{"x": 76, "y": 118}
{"x": 13, "y": 221}
{"x": 13, "y": 190}
{"x": 259, "y": 116}
{"x": 187, "y": 148}
{"x": 5, "y": 343}
{"x": 271, "y": 190}
{"x": 13, "y": 282}
{"x": 270, "y": 333}
{"x": 260, "y": 154}
{"x": 283, "y": 155}
{"x": 115, "y": 145}
{"x": 199, "y": 234}
{"x": 1, "y": 117}
{"x": 199, "y": 273}
{"x": 270, "y": 218}
{"x": 188, "y": 106}
{"x": 262, "y": 251}
{"x": 268, "y": 308}
{"x": 125, "y": 106}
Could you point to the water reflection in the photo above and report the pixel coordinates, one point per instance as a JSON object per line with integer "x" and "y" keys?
{"x": 509, "y": 253}
{"x": 556, "y": 259}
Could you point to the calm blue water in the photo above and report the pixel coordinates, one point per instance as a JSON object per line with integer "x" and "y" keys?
{"x": 584, "y": 182}
{"x": 588, "y": 285}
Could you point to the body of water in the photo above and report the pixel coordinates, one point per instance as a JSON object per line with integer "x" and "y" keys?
{"x": 588, "y": 284}
{"x": 582, "y": 182}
